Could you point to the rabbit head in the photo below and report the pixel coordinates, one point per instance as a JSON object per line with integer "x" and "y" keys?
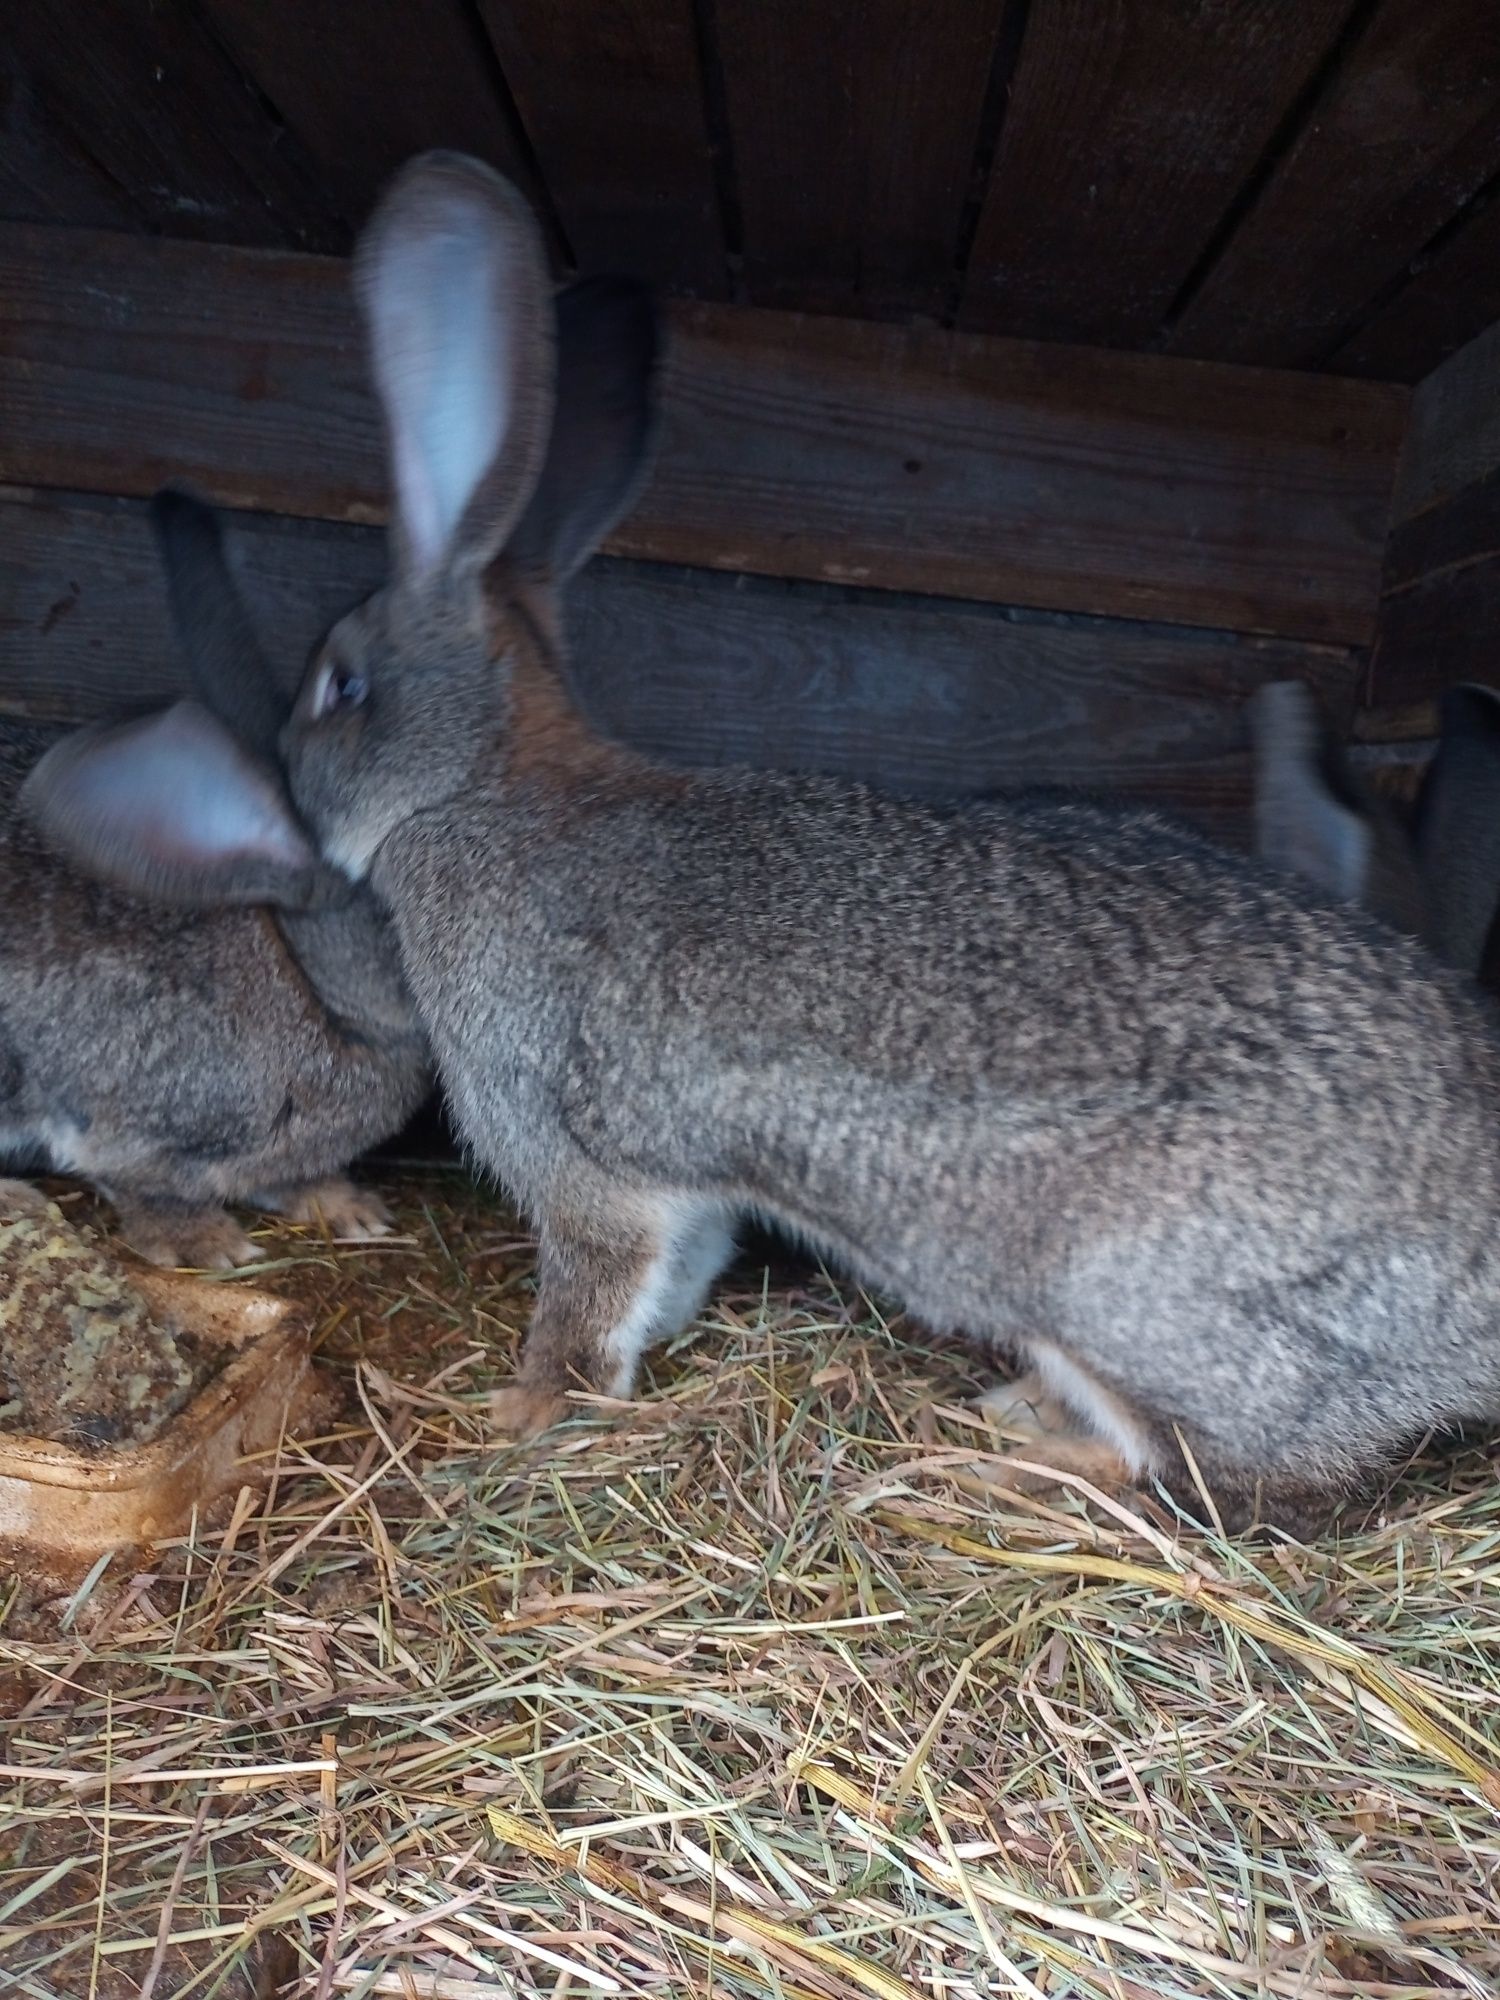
{"x": 517, "y": 435}
{"x": 122, "y": 798}
{"x": 518, "y": 428}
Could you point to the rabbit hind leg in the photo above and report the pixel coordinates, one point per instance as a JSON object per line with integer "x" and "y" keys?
{"x": 1065, "y": 1417}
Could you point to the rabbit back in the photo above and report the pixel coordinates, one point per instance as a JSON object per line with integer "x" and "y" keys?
{"x": 1046, "y": 1072}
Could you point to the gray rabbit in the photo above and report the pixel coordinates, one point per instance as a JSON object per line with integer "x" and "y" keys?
{"x": 179, "y": 1059}
{"x": 1434, "y": 872}
{"x": 1213, "y": 1161}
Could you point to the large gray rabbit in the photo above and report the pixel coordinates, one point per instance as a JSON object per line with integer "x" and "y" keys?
{"x": 182, "y": 1059}
{"x": 1215, "y": 1161}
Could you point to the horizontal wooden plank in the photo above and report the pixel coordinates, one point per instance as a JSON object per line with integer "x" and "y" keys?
{"x": 1406, "y": 131}
{"x": 1130, "y": 128}
{"x": 699, "y": 667}
{"x": 908, "y": 459}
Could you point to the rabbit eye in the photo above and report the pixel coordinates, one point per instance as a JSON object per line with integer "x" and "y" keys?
{"x": 337, "y": 686}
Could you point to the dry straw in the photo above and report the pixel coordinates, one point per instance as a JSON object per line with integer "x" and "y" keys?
{"x": 762, "y": 1688}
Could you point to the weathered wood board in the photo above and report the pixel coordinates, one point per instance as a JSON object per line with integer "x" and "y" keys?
{"x": 923, "y": 694}
{"x": 1007, "y": 472}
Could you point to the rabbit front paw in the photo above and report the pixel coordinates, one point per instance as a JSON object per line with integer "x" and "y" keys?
{"x": 194, "y": 1240}
{"x": 520, "y": 1411}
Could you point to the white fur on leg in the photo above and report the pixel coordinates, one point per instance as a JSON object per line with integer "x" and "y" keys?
{"x": 1102, "y": 1413}
{"x": 698, "y": 1244}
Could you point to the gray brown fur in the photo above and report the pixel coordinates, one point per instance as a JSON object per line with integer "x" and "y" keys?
{"x": 179, "y": 1060}
{"x": 1215, "y": 1154}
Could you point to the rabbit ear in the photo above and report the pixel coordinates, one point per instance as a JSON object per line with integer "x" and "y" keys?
{"x": 1458, "y": 826}
{"x": 170, "y": 807}
{"x": 228, "y": 670}
{"x": 603, "y": 427}
{"x": 1301, "y": 823}
{"x": 453, "y": 284}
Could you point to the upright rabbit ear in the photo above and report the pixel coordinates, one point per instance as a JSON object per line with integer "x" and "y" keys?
{"x": 1314, "y": 818}
{"x": 228, "y": 670}
{"x": 602, "y": 433}
{"x": 453, "y": 284}
{"x": 1458, "y": 827}
{"x": 170, "y": 807}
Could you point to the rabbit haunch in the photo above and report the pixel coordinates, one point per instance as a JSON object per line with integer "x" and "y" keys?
{"x": 1219, "y": 1161}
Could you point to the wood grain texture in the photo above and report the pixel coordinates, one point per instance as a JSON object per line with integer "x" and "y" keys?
{"x": 1446, "y": 537}
{"x": 1130, "y": 128}
{"x": 1440, "y": 612}
{"x": 1011, "y": 472}
{"x": 130, "y": 362}
{"x": 702, "y": 668}
{"x": 364, "y": 84}
{"x": 1406, "y": 132}
{"x": 1021, "y": 473}
{"x": 853, "y": 133}
{"x": 1453, "y": 433}
{"x": 148, "y": 94}
{"x": 1438, "y": 630}
{"x": 612, "y": 100}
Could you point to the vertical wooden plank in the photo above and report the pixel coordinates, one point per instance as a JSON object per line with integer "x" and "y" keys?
{"x": 611, "y": 96}
{"x": 853, "y": 134}
{"x": 147, "y": 94}
{"x": 1450, "y": 295}
{"x": 1440, "y": 612}
{"x": 366, "y": 83}
{"x": 1130, "y": 128}
{"x": 1453, "y": 432}
{"x": 1406, "y": 132}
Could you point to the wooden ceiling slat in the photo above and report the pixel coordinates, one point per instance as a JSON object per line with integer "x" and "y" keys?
{"x": 44, "y": 176}
{"x": 151, "y": 97}
{"x": 1406, "y": 132}
{"x": 854, "y": 132}
{"x": 901, "y": 458}
{"x": 1131, "y": 126}
{"x": 611, "y": 96}
{"x": 1452, "y": 297}
{"x": 365, "y": 83}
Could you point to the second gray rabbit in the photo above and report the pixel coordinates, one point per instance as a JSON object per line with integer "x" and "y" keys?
{"x": 181, "y": 1059}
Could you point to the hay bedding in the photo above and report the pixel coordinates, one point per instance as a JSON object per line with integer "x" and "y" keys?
{"x": 761, "y": 1691}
